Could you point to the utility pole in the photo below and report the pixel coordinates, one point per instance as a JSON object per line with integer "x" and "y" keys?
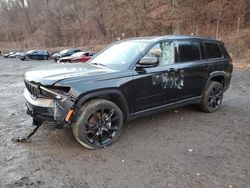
{"x": 196, "y": 30}
{"x": 238, "y": 28}
{"x": 238, "y": 34}
{"x": 217, "y": 29}
{"x": 47, "y": 31}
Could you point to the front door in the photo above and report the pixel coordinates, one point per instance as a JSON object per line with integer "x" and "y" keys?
{"x": 156, "y": 86}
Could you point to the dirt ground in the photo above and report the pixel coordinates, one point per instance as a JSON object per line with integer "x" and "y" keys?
{"x": 179, "y": 148}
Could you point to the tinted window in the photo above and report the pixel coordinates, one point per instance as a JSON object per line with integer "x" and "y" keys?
{"x": 188, "y": 51}
{"x": 213, "y": 50}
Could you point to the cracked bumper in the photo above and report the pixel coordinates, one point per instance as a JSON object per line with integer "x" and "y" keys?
{"x": 43, "y": 109}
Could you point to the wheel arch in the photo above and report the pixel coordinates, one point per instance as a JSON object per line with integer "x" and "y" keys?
{"x": 113, "y": 95}
{"x": 220, "y": 79}
{"x": 218, "y": 76}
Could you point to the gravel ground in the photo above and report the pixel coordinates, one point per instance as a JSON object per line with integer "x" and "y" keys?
{"x": 179, "y": 148}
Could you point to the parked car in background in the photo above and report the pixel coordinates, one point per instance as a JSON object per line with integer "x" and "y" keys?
{"x": 65, "y": 53}
{"x": 15, "y": 55}
{"x": 35, "y": 54}
{"x": 77, "y": 57}
{"x": 52, "y": 53}
{"x": 8, "y": 54}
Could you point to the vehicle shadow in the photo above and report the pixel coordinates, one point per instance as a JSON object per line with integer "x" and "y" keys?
{"x": 49, "y": 136}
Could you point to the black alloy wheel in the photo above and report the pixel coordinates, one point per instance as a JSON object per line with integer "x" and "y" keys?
{"x": 215, "y": 98}
{"x": 98, "y": 124}
{"x": 212, "y": 97}
{"x": 102, "y": 127}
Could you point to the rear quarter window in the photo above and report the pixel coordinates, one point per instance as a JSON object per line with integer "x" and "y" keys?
{"x": 224, "y": 51}
{"x": 213, "y": 50}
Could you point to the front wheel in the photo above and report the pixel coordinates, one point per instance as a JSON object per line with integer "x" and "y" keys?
{"x": 23, "y": 58}
{"x": 212, "y": 97}
{"x": 98, "y": 124}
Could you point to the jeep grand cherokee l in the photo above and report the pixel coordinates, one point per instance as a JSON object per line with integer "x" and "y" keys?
{"x": 126, "y": 80}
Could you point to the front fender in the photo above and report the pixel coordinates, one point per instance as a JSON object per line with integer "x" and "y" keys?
{"x": 107, "y": 92}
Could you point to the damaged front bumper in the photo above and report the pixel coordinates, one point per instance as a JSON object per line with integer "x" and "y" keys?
{"x": 44, "y": 109}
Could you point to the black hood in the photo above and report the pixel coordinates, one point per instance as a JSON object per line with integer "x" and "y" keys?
{"x": 50, "y": 74}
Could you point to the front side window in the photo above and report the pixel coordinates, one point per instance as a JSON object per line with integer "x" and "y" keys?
{"x": 188, "y": 51}
{"x": 213, "y": 50}
{"x": 164, "y": 51}
{"x": 41, "y": 52}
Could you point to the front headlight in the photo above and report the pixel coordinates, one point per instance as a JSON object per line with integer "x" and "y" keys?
{"x": 54, "y": 92}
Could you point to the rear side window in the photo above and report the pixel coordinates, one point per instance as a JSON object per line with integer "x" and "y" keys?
{"x": 213, "y": 50}
{"x": 189, "y": 51}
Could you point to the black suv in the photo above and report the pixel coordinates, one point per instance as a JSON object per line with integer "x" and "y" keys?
{"x": 126, "y": 80}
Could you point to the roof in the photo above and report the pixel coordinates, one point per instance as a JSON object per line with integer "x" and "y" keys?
{"x": 174, "y": 37}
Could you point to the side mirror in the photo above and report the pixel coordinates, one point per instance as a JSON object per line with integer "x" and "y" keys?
{"x": 147, "y": 62}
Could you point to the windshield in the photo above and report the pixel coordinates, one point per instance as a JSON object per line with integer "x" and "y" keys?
{"x": 120, "y": 55}
{"x": 63, "y": 52}
{"x": 29, "y": 52}
{"x": 78, "y": 54}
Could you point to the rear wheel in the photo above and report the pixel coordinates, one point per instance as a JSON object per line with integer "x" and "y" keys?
{"x": 212, "y": 97}
{"x": 99, "y": 124}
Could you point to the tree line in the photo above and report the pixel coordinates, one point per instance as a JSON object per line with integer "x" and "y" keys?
{"x": 81, "y": 22}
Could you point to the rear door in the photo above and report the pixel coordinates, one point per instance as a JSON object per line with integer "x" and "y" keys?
{"x": 214, "y": 56}
{"x": 194, "y": 68}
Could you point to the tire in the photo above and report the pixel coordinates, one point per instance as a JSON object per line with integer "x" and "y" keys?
{"x": 212, "y": 97}
{"x": 99, "y": 124}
